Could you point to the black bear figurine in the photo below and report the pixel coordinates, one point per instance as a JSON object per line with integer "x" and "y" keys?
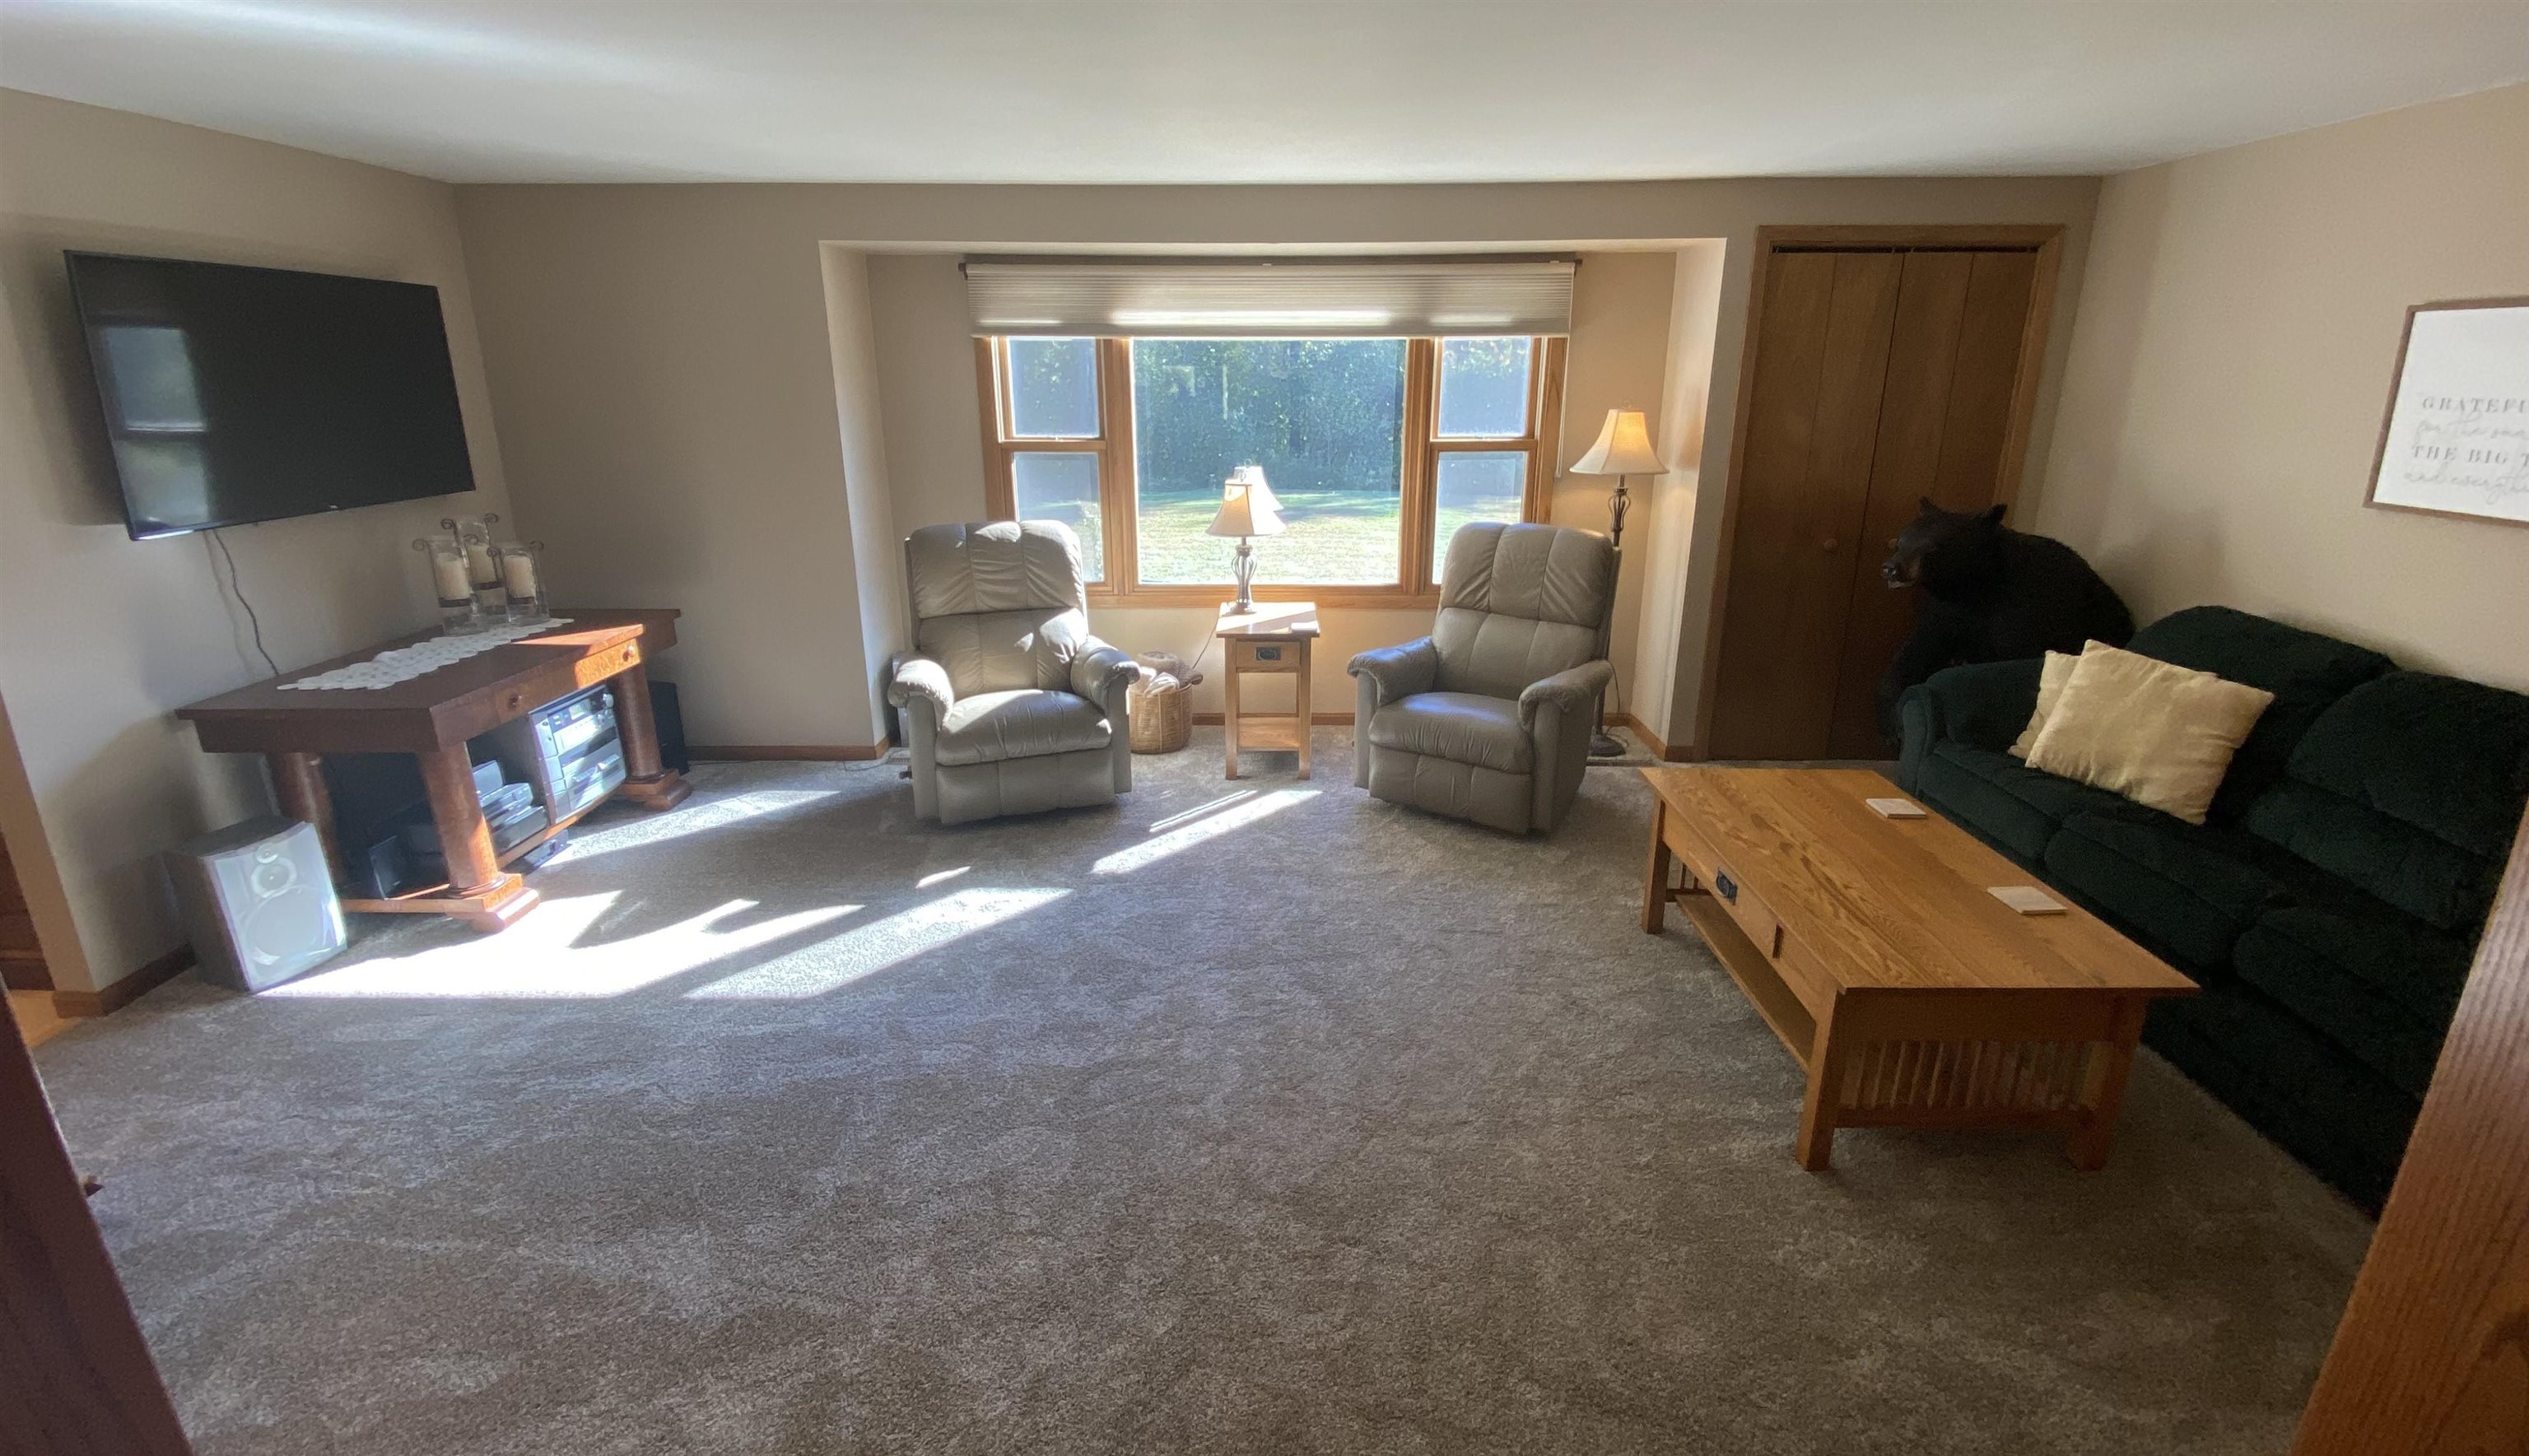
{"x": 1992, "y": 594}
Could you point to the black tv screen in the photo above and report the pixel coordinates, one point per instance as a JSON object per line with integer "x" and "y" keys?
{"x": 234, "y": 394}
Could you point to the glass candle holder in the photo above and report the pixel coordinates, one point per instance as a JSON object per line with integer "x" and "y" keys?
{"x": 522, "y": 581}
{"x": 450, "y": 584}
{"x": 474, "y": 535}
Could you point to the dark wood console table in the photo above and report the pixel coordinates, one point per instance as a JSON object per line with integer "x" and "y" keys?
{"x": 430, "y": 717}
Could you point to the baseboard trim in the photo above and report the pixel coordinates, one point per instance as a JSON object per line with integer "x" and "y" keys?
{"x": 1667, "y": 753}
{"x": 120, "y": 994}
{"x": 751, "y": 753}
{"x": 1316, "y": 720}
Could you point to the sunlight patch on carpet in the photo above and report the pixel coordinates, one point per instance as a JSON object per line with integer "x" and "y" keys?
{"x": 543, "y": 958}
{"x": 873, "y": 947}
{"x": 1186, "y": 836}
{"x": 588, "y": 842}
{"x": 1184, "y": 816}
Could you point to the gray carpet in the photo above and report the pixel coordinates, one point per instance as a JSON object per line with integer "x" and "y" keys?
{"x": 1292, "y": 1123}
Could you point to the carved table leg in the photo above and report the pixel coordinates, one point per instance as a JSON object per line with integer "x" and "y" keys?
{"x": 646, "y": 782}
{"x": 298, "y": 782}
{"x": 474, "y": 872}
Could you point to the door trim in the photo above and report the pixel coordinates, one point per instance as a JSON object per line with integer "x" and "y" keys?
{"x": 2045, "y": 240}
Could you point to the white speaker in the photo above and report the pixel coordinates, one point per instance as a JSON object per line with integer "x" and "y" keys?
{"x": 258, "y": 900}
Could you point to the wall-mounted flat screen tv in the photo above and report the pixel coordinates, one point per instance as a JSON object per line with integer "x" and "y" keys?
{"x": 234, "y": 394}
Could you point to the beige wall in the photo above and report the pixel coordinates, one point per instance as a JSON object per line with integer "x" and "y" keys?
{"x": 1618, "y": 359}
{"x": 101, "y": 635}
{"x": 1668, "y": 506}
{"x": 646, "y": 348}
{"x": 678, "y": 444}
{"x": 934, "y": 440}
{"x": 878, "y": 559}
{"x": 2238, "y": 330}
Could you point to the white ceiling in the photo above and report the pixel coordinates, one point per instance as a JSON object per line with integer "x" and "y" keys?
{"x": 1269, "y": 91}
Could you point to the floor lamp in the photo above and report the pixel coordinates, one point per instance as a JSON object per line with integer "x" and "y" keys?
{"x": 1624, "y": 450}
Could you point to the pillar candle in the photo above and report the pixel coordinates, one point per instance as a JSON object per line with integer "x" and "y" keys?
{"x": 518, "y": 573}
{"x": 478, "y": 560}
{"x": 450, "y": 573}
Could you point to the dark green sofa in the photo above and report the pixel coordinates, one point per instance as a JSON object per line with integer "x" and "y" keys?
{"x": 2330, "y": 904}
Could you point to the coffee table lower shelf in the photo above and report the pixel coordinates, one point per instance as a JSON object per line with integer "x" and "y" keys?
{"x": 2049, "y": 1059}
{"x": 1764, "y": 989}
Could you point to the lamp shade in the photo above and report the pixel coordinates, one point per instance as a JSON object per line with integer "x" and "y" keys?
{"x": 1247, "y": 505}
{"x": 1624, "y": 448}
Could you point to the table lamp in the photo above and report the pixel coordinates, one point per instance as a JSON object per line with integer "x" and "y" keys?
{"x": 1247, "y": 508}
{"x": 1624, "y": 450}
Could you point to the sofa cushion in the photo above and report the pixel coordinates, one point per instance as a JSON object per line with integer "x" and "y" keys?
{"x": 2410, "y": 787}
{"x": 2378, "y": 983}
{"x": 2305, "y": 670}
{"x": 1463, "y": 727}
{"x": 2053, "y": 671}
{"x": 1027, "y": 722}
{"x": 2006, "y": 802}
{"x": 2155, "y": 733}
{"x": 2186, "y": 891}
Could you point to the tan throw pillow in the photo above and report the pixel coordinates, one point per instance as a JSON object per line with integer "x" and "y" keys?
{"x": 2050, "y": 686}
{"x": 2155, "y": 733}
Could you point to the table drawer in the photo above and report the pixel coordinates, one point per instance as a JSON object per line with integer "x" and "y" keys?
{"x": 1264, "y": 656}
{"x": 1707, "y": 871}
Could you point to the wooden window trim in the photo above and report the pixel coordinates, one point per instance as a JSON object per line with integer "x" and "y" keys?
{"x": 1117, "y": 488}
{"x": 1539, "y": 440}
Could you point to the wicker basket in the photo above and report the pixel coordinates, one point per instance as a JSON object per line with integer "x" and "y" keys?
{"x": 1163, "y": 703}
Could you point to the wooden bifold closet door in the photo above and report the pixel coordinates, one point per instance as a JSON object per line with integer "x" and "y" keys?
{"x": 1877, "y": 375}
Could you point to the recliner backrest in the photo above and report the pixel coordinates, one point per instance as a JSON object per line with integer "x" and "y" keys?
{"x": 1520, "y": 603}
{"x": 1001, "y": 605}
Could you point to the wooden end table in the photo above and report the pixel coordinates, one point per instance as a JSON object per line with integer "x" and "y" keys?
{"x": 1911, "y": 996}
{"x": 1273, "y": 638}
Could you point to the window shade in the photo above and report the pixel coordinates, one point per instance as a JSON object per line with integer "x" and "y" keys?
{"x": 1279, "y": 298}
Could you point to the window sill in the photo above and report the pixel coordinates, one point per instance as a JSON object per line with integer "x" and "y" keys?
{"x": 1327, "y": 598}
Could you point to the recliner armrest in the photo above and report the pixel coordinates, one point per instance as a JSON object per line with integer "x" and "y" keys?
{"x": 918, "y": 677}
{"x": 1400, "y": 671}
{"x": 1100, "y": 672}
{"x": 1573, "y": 690}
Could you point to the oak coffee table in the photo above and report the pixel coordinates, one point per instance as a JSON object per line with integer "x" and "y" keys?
{"x": 1911, "y": 996}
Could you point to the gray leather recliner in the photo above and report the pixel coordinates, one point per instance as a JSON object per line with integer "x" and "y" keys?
{"x": 1489, "y": 718}
{"x": 1010, "y": 705}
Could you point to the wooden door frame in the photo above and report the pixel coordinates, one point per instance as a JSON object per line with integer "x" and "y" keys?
{"x": 2425, "y": 1359}
{"x": 68, "y": 1337}
{"x": 2045, "y": 240}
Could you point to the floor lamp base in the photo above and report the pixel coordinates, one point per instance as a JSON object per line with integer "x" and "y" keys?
{"x": 1606, "y": 745}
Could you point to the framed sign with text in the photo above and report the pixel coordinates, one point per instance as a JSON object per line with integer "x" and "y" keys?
{"x": 2456, "y": 439}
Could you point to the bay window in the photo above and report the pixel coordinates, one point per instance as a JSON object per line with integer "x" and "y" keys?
{"x": 1376, "y": 448}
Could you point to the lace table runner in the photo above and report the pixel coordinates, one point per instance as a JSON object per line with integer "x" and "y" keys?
{"x": 403, "y": 664}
